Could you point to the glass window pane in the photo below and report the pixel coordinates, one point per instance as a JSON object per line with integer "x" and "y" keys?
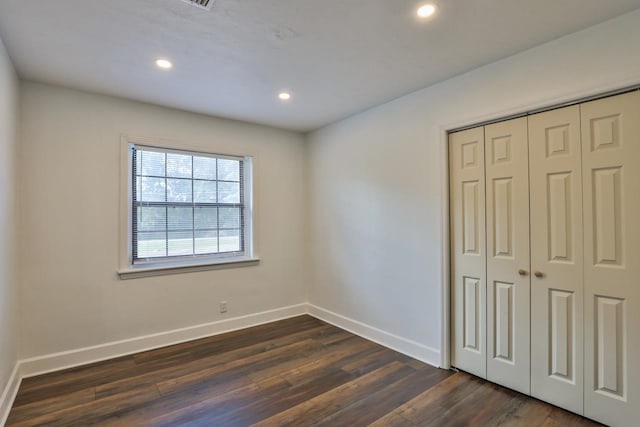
{"x": 151, "y": 218}
{"x": 206, "y": 218}
{"x": 138, "y": 194}
{"x": 229, "y": 240}
{"x": 138, "y": 162}
{"x": 228, "y": 192}
{"x": 180, "y": 179}
{"x": 179, "y": 190}
{"x": 151, "y": 245}
{"x": 152, "y": 190}
{"x": 204, "y": 168}
{"x": 178, "y": 165}
{"x": 206, "y": 242}
{"x": 180, "y": 218}
{"x": 152, "y": 163}
{"x": 204, "y": 191}
{"x": 228, "y": 170}
{"x": 180, "y": 243}
{"x": 229, "y": 217}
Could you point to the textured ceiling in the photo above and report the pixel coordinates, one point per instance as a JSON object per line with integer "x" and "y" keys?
{"x": 337, "y": 57}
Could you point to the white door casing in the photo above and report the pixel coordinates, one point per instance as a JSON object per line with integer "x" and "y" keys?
{"x": 583, "y": 231}
{"x": 556, "y": 255}
{"x": 508, "y": 282}
{"x": 611, "y": 197}
{"x": 468, "y": 252}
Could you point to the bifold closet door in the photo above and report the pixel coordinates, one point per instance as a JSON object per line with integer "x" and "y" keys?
{"x": 508, "y": 284}
{"x": 611, "y": 179}
{"x": 468, "y": 253}
{"x": 556, "y": 258}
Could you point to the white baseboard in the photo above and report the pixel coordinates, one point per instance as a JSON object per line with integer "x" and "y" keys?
{"x": 83, "y": 356}
{"x": 405, "y": 346}
{"x": 9, "y": 393}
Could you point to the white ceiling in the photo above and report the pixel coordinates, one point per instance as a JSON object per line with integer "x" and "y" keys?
{"x": 337, "y": 57}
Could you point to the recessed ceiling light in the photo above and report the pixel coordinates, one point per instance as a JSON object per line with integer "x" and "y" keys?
{"x": 426, "y": 10}
{"x": 284, "y": 96}
{"x": 165, "y": 64}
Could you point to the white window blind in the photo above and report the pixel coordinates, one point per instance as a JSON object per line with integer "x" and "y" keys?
{"x": 186, "y": 205}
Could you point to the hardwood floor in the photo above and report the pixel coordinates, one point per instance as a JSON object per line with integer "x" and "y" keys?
{"x": 296, "y": 372}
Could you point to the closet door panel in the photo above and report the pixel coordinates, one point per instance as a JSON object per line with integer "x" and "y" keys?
{"x": 611, "y": 179}
{"x": 508, "y": 315}
{"x": 468, "y": 254}
{"x": 556, "y": 254}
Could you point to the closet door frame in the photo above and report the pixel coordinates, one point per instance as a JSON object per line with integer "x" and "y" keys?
{"x": 445, "y": 129}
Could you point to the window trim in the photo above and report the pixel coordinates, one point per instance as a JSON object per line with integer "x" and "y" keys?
{"x": 127, "y": 268}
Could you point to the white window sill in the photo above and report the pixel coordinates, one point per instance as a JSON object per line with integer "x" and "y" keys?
{"x": 138, "y": 271}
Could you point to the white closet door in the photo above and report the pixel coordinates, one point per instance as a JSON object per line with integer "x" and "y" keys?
{"x": 611, "y": 177}
{"x": 508, "y": 285}
{"x": 468, "y": 254}
{"x": 556, "y": 258}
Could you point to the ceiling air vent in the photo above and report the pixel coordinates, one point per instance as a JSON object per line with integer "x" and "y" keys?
{"x": 202, "y": 4}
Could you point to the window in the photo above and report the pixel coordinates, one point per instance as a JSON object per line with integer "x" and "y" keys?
{"x": 187, "y": 206}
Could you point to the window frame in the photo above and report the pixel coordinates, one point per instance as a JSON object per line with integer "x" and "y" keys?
{"x": 130, "y": 268}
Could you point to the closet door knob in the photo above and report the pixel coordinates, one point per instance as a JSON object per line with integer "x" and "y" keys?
{"x": 522, "y": 272}
{"x": 539, "y": 274}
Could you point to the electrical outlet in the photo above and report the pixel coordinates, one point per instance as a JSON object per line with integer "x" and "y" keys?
{"x": 223, "y": 306}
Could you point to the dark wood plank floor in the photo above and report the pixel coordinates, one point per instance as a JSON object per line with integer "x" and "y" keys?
{"x": 296, "y": 372}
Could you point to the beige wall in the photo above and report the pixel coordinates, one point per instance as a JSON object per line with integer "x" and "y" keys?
{"x": 69, "y": 176}
{"x": 376, "y": 180}
{"x": 8, "y": 288}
